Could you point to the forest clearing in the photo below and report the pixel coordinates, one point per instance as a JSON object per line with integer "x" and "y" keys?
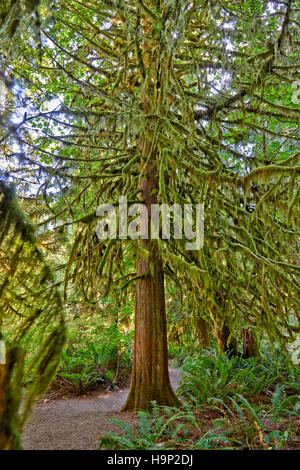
{"x": 149, "y": 225}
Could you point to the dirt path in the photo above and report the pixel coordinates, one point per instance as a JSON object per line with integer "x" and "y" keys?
{"x": 77, "y": 423}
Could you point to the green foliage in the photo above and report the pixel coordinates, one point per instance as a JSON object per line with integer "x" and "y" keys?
{"x": 32, "y": 322}
{"x": 97, "y": 353}
{"x": 200, "y": 93}
{"x": 210, "y": 377}
{"x": 12, "y": 13}
{"x": 209, "y": 88}
{"x": 156, "y": 427}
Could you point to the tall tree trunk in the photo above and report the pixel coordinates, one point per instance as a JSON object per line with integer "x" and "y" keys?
{"x": 150, "y": 375}
{"x": 202, "y": 332}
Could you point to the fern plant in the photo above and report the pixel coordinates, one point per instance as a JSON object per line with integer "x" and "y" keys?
{"x": 165, "y": 427}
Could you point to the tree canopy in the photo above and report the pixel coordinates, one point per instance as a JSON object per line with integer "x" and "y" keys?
{"x": 200, "y": 97}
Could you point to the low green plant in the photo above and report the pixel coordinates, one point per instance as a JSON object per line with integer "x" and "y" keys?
{"x": 162, "y": 427}
{"x": 97, "y": 352}
{"x": 210, "y": 376}
{"x": 228, "y": 403}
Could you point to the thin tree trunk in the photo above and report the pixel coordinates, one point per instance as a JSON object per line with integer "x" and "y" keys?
{"x": 113, "y": 362}
{"x": 249, "y": 343}
{"x": 150, "y": 375}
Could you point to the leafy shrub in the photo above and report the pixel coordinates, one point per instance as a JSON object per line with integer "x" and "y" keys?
{"x": 96, "y": 354}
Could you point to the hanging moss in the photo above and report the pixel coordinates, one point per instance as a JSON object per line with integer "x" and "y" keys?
{"x": 220, "y": 130}
{"x": 31, "y": 319}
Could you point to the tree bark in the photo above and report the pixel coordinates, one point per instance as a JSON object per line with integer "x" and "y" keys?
{"x": 202, "y": 332}
{"x": 150, "y": 375}
{"x": 249, "y": 343}
{"x": 226, "y": 343}
{"x": 10, "y": 398}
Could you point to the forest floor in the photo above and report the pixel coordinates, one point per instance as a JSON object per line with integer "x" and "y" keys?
{"x": 77, "y": 423}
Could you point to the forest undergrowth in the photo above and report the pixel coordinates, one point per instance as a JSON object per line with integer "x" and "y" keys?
{"x": 227, "y": 403}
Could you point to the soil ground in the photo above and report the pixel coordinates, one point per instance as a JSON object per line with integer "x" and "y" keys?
{"x": 77, "y": 423}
